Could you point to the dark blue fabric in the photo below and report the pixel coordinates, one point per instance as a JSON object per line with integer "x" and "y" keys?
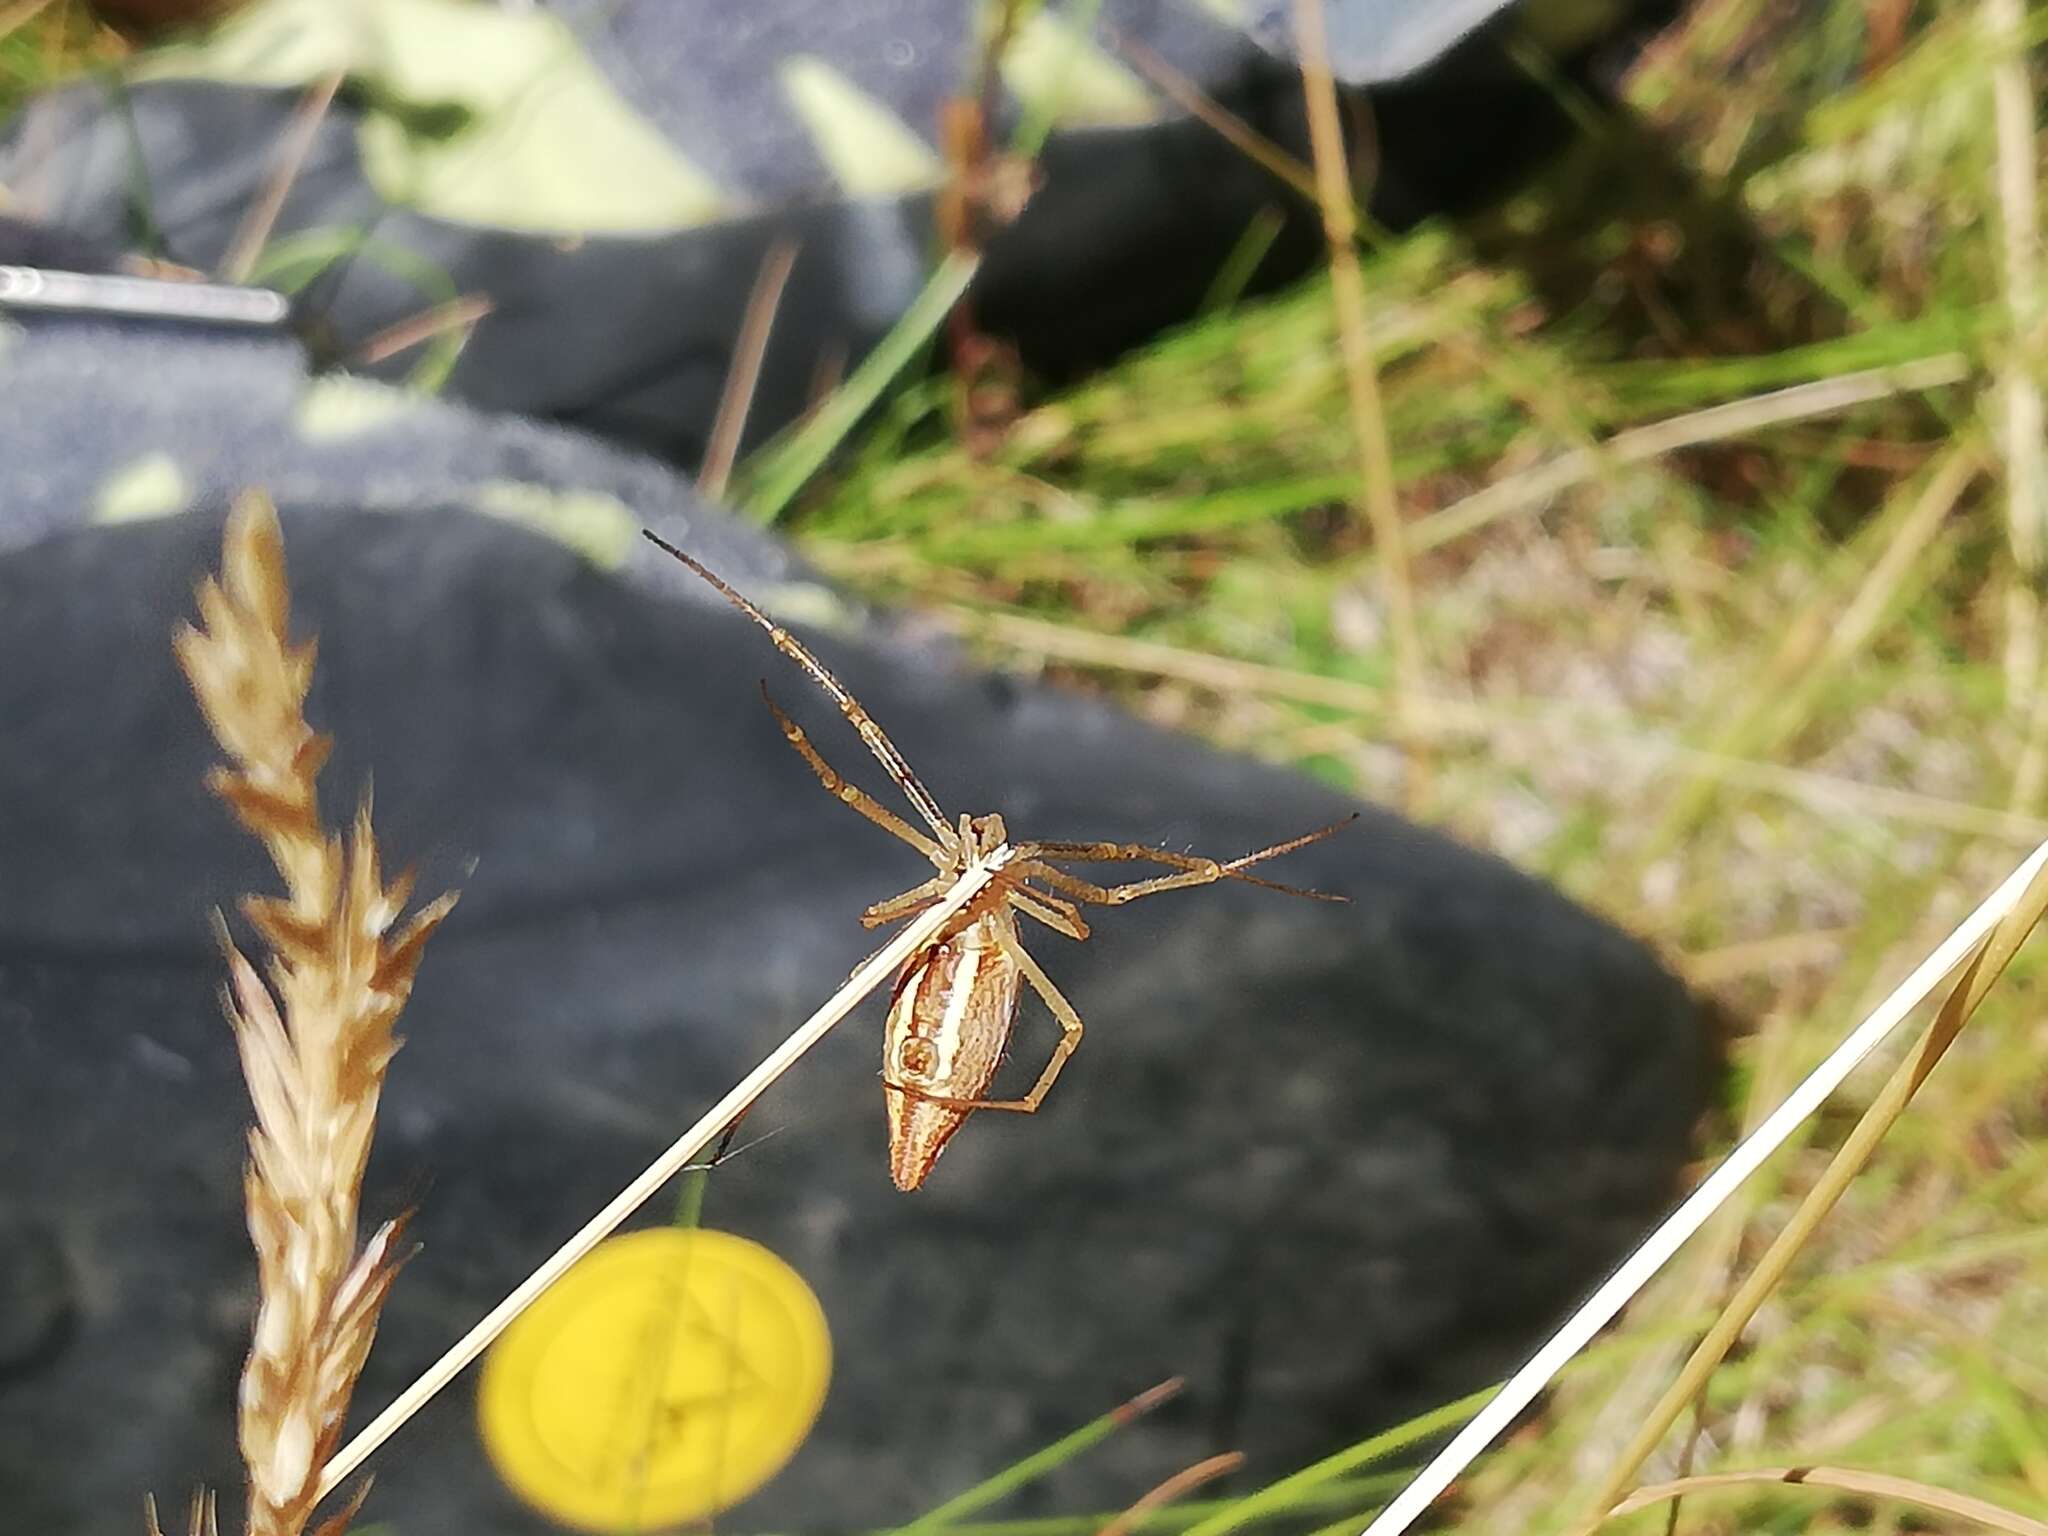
{"x": 1334, "y": 1163}
{"x": 633, "y": 337}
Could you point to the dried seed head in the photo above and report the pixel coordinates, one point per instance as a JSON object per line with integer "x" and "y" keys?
{"x": 314, "y": 1029}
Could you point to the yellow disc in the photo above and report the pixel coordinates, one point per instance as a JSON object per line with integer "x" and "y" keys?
{"x": 664, "y": 1379}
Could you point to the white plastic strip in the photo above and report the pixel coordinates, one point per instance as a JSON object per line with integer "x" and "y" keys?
{"x": 1636, "y": 1272}
{"x": 145, "y": 298}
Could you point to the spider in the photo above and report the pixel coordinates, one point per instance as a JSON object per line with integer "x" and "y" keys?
{"x": 955, "y": 1000}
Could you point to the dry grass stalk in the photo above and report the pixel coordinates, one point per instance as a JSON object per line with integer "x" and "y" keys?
{"x": 315, "y": 1038}
{"x": 1876, "y": 1485}
{"x": 1536, "y": 487}
{"x": 1506, "y": 726}
{"x": 1368, "y": 414}
{"x": 2026, "y": 460}
{"x": 1821, "y": 639}
{"x": 294, "y": 144}
{"x": 463, "y": 313}
{"x": 1183, "y": 1482}
{"x": 1205, "y": 109}
{"x": 743, "y": 376}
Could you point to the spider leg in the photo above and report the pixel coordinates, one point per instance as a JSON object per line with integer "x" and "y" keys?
{"x": 1059, "y": 915}
{"x": 840, "y": 789}
{"x": 886, "y": 751}
{"x": 1205, "y": 872}
{"x": 1194, "y": 869}
{"x": 918, "y": 896}
{"x": 1070, "y": 1037}
{"x": 911, "y": 901}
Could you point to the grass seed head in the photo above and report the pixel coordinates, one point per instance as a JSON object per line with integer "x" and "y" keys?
{"x": 315, "y": 1029}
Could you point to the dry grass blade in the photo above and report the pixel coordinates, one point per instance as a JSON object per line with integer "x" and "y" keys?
{"x": 1876, "y": 1485}
{"x": 1989, "y": 960}
{"x": 1714, "y": 423}
{"x": 1204, "y": 108}
{"x": 315, "y": 1035}
{"x": 1185, "y": 1481}
{"x": 1368, "y": 414}
{"x": 2026, "y": 458}
{"x": 458, "y": 314}
{"x": 239, "y": 260}
{"x": 750, "y": 350}
{"x": 1499, "y": 723}
{"x": 1819, "y": 641}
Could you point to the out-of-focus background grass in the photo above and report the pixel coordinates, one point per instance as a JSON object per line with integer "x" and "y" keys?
{"x": 1735, "y": 643}
{"x": 1771, "y": 699}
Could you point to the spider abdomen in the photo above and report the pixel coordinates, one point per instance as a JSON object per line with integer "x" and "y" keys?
{"x": 949, "y": 1025}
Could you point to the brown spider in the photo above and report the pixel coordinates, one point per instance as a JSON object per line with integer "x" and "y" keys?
{"x": 955, "y": 1001}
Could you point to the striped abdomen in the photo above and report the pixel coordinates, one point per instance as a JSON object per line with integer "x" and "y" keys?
{"x": 948, "y": 1027}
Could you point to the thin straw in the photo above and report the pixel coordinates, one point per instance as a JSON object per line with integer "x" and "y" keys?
{"x": 1637, "y": 1271}
{"x": 662, "y": 1169}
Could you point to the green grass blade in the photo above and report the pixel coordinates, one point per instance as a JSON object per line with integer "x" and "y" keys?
{"x": 1036, "y": 1465}
{"x": 1284, "y": 1495}
{"x": 780, "y": 471}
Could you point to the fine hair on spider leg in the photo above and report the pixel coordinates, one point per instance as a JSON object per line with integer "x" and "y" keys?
{"x": 955, "y": 1000}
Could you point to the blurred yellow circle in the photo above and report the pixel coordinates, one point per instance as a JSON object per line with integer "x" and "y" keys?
{"x": 663, "y": 1379}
